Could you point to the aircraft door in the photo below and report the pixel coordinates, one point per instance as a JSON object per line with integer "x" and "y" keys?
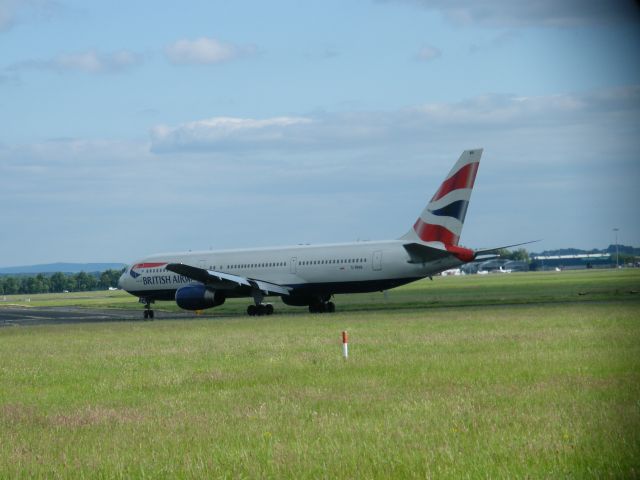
{"x": 377, "y": 260}
{"x": 293, "y": 265}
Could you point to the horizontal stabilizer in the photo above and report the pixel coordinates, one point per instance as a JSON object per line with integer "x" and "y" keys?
{"x": 484, "y": 258}
{"x": 419, "y": 253}
{"x": 495, "y": 250}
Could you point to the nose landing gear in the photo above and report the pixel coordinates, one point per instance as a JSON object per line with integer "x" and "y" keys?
{"x": 148, "y": 312}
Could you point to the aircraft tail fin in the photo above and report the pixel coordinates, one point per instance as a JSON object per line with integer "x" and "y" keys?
{"x": 443, "y": 218}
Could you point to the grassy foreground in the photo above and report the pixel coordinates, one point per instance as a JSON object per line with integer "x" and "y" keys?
{"x": 542, "y": 391}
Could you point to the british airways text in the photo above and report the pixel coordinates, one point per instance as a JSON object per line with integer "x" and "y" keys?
{"x": 165, "y": 279}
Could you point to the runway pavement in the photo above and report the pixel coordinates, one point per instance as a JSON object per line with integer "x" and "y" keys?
{"x": 58, "y": 315}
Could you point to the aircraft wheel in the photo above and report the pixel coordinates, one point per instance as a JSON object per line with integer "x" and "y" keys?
{"x": 150, "y": 314}
{"x": 268, "y": 309}
{"x": 251, "y": 310}
{"x": 146, "y": 314}
{"x": 331, "y": 307}
{"x": 260, "y": 310}
{"x": 317, "y": 307}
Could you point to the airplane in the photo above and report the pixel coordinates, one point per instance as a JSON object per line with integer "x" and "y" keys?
{"x": 310, "y": 275}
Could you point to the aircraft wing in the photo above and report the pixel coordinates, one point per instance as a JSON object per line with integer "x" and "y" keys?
{"x": 226, "y": 281}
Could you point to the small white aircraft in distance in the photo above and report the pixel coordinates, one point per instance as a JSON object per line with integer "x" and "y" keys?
{"x": 309, "y": 275}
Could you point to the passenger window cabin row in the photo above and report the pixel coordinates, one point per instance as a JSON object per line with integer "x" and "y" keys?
{"x": 301, "y": 263}
{"x": 275, "y": 264}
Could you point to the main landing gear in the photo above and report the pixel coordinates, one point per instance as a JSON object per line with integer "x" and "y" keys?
{"x": 322, "y": 307}
{"x": 148, "y": 312}
{"x": 260, "y": 309}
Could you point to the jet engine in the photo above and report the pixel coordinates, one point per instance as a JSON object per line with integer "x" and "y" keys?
{"x": 198, "y": 297}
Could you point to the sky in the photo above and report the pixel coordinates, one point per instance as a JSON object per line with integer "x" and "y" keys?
{"x": 132, "y": 128}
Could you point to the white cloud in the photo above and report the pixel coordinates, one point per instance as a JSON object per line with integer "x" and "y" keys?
{"x": 222, "y": 132}
{"x": 509, "y": 13}
{"x": 204, "y": 51}
{"x": 499, "y": 114}
{"x": 13, "y": 11}
{"x": 89, "y": 61}
{"x": 94, "y": 62}
{"x": 428, "y": 53}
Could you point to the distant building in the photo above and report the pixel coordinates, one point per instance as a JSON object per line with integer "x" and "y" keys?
{"x": 572, "y": 262}
{"x": 516, "y": 266}
{"x": 492, "y": 265}
{"x": 469, "y": 268}
{"x": 452, "y": 271}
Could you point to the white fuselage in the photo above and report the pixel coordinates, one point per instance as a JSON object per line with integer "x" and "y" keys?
{"x": 326, "y": 269}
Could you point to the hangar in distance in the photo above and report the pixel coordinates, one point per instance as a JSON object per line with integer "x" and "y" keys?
{"x": 310, "y": 275}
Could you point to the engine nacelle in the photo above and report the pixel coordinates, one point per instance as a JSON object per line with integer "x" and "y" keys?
{"x": 198, "y": 297}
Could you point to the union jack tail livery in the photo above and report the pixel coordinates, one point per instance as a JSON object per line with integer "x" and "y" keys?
{"x": 442, "y": 219}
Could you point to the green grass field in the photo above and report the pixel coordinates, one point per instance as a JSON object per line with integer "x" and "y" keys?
{"x": 534, "y": 375}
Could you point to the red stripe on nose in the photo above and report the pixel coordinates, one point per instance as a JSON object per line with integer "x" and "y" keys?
{"x": 148, "y": 265}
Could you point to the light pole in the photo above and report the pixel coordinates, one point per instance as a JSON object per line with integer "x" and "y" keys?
{"x": 616, "y": 234}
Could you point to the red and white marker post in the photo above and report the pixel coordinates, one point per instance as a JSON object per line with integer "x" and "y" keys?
{"x": 345, "y": 345}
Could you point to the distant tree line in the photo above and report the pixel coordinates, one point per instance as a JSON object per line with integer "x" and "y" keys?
{"x": 621, "y": 249}
{"x": 59, "y": 282}
{"x": 626, "y": 254}
{"x": 520, "y": 254}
